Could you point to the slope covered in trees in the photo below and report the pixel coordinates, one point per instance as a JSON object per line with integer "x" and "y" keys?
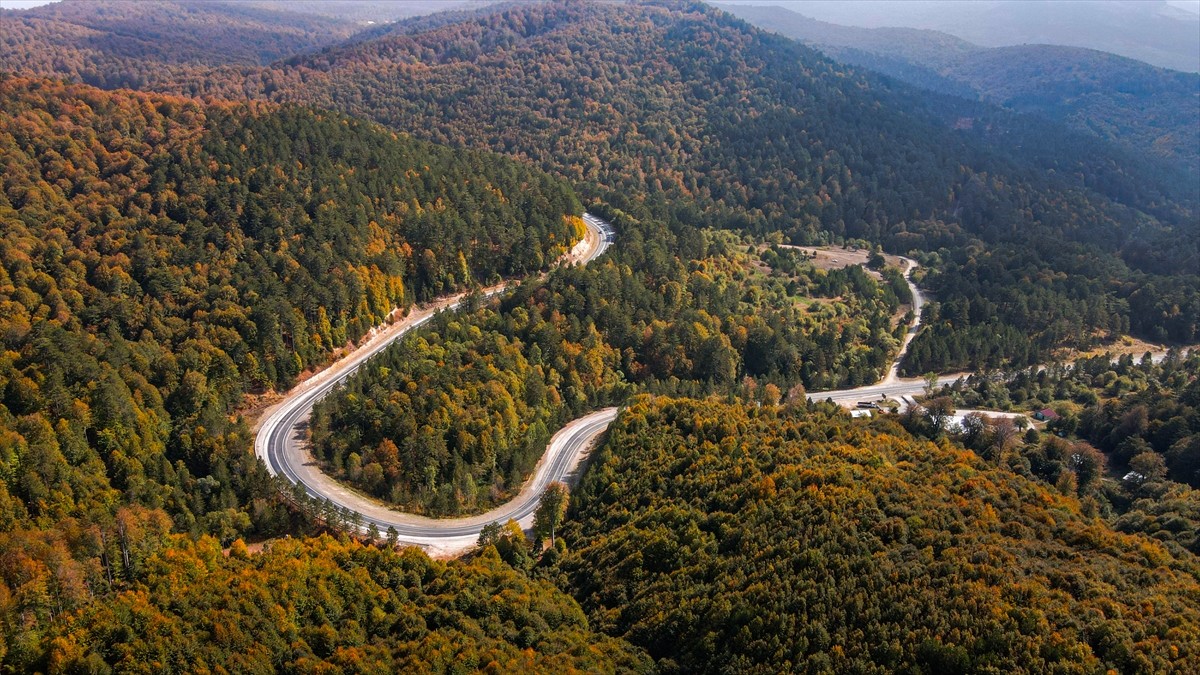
{"x": 319, "y": 605}
{"x": 160, "y": 258}
{"x": 135, "y": 44}
{"x": 1152, "y": 109}
{"x": 705, "y": 120}
{"x": 455, "y": 417}
{"x": 728, "y": 538}
{"x": 368, "y": 11}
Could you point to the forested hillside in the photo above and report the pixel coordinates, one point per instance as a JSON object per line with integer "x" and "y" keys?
{"x": 1159, "y": 32}
{"x": 316, "y": 605}
{"x": 454, "y": 417}
{"x": 136, "y": 44}
{"x": 160, "y": 258}
{"x": 702, "y": 119}
{"x": 168, "y": 264}
{"x": 727, "y": 538}
{"x": 1152, "y": 109}
{"x": 368, "y": 11}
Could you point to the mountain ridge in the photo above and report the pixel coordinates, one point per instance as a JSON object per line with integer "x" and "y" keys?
{"x": 1154, "y": 110}
{"x": 1150, "y": 31}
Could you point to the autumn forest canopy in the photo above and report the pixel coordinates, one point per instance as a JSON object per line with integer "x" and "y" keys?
{"x": 683, "y": 112}
{"x": 204, "y": 204}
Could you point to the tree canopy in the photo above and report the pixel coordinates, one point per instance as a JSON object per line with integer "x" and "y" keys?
{"x": 722, "y": 537}
{"x": 160, "y": 259}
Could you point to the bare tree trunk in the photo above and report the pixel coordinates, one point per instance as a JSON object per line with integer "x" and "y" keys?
{"x": 104, "y": 559}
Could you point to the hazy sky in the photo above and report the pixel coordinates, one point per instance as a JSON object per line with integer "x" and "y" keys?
{"x": 1165, "y": 33}
{"x": 857, "y": 5}
{"x": 26, "y": 4}
{"x": 1190, "y": 5}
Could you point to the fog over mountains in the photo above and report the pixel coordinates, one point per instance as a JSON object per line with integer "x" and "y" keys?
{"x": 1155, "y": 31}
{"x": 1152, "y": 110}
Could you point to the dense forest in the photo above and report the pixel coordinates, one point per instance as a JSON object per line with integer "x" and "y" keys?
{"x": 711, "y": 122}
{"x": 639, "y": 103}
{"x": 1116, "y": 98}
{"x": 162, "y": 258}
{"x": 722, "y": 537}
{"x": 123, "y": 43}
{"x": 707, "y": 121}
{"x": 454, "y": 417}
{"x": 317, "y": 605}
{"x": 168, "y": 264}
{"x": 159, "y": 259}
{"x": 708, "y": 536}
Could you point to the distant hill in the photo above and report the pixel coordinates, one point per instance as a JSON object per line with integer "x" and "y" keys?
{"x": 1147, "y": 30}
{"x": 367, "y": 11}
{"x": 1151, "y": 109}
{"x": 687, "y": 114}
{"x": 115, "y": 43}
{"x": 681, "y": 112}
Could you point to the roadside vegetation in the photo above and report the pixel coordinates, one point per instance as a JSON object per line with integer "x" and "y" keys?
{"x": 1122, "y": 433}
{"x": 453, "y": 418}
{"x": 160, "y": 259}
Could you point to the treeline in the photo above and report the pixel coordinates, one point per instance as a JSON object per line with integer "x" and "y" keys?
{"x": 994, "y": 310}
{"x": 725, "y": 537}
{"x": 160, "y": 258}
{"x": 455, "y": 417}
{"x": 309, "y": 605}
{"x": 1005, "y": 310}
{"x": 1163, "y": 419}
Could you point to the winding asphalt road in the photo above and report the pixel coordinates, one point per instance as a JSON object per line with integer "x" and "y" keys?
{"x": 281, "y": 442}
{"x": 918, "y": 302}
{"x": 892, "y": 385}
{"x": 280, "y": 438}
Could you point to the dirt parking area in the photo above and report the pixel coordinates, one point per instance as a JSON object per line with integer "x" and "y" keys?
{"x": 833, "y": 258}
{"x": 1120, "y": 347}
